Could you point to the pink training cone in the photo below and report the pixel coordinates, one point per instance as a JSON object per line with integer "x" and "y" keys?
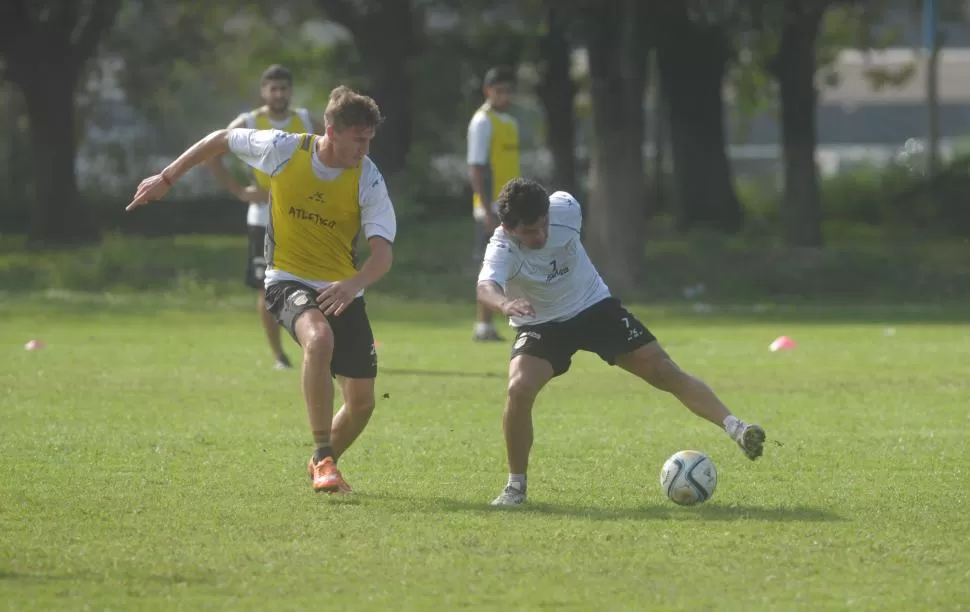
{"x": 782, "y": 343}
{"x": 34, "y": 345}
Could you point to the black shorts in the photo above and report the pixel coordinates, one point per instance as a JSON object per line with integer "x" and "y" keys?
{"x": 255, "y": 260}
{"x": 605, "y": 328}
{"x": 354, "y": 355}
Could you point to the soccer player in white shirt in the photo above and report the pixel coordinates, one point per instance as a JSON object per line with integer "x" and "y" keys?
{"x": 537, "y": 273}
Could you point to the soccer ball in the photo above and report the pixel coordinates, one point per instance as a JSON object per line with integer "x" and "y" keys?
{"x": 688, "y": 478}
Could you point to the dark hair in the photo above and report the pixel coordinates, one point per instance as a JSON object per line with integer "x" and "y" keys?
{"x": 276, "y": 72}
{"x": 522, "y": 201}
{"x": 499, "y": 75}
{"x": 347, "y": 108}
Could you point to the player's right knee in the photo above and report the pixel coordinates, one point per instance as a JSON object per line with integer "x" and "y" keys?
{"x": 317, "y": 339}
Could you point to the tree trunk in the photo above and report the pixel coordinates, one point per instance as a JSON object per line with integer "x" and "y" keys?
{"x": 392, "y": 92}
{"x": 386, "y": 36}
{"x": 16, "y": 179}
{"x": 617, "y": 50}
{"x": 658, "y": 117}
{"x": 46, "y": 57}
{"x": 794, "y": 68}
{"x": 692, "y": 60}
{"x": 557, "y": 92}
{"x": 933, "y": 106}
{"x": 59, "y": 215}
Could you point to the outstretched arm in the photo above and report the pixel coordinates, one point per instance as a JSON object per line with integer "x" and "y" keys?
{"x": 155, "y": 187}
{"x": 217, "y": 166}
{"x": 265, "y": 150}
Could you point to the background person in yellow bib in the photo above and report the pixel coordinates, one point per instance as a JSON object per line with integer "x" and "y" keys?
{"x": 325, "y": 192}
{"x": 276, "y": 91}
{"x": 493, "y": 160}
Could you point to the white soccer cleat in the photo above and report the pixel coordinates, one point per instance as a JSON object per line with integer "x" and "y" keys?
{"x": 510, "y": 496}
{"x": 751, "y": 439}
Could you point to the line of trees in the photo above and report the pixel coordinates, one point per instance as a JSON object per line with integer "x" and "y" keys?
{"x": 680, "y": 53}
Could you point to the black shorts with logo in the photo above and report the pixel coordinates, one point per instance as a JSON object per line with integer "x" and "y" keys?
{"x": 255, "y": 260}
{"x": 354, "y": 355}
{"x": 605, "y": 328}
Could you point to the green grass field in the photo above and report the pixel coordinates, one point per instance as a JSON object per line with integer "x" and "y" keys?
{"x": 153, "y": 460}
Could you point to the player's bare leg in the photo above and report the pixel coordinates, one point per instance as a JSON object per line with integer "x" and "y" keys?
{"x": 654, "y": 365}
{"x": 316, "y": 338}
{"x": 272, "y": 329}
{"x": 527, "y": 376}
{"x": 354, "y": 415}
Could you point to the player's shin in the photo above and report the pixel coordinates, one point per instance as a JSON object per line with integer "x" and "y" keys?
{"x": 318, "y": 389}
{"x": 517, "y": 424}
{"x": 352, "y": 418}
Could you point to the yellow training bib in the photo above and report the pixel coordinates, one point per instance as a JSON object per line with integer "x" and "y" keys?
{"x": 503, "y": 155}
{"x": 262, "y": 122}
{"x": 313, "y": 223}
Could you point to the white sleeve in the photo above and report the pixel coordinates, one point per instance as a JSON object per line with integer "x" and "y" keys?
{"x": 377, "y": 216}
{"x": 501, "y": 259}
{"x": 305, "y": 117}
{"x": 564, "y": 210}
{"x": 479, "y": 139}
{"x": 266, "y": 150}
{"x": 249, "y": 122}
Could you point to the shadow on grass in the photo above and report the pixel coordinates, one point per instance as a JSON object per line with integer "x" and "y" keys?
{"x": 650, "y": 512}
{"x": 39, "y": 576}
{"x": 707, "y": 512}
{"x": 164, "y": 579}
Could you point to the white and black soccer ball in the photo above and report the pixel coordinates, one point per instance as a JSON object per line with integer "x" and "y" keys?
{"x": 688, "y": 478}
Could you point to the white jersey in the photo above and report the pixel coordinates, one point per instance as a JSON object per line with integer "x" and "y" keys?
{"x": 270, "y": 150}
{"x": 559, "y": 280}
{"x": 258, "y": 213}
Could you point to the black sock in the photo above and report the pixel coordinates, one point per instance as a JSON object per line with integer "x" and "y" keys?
{"x": 322, "y": 453}
{"x": 284, "y": 359}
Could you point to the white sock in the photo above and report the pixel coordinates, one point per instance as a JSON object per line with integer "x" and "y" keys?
{"x": 731, "y": 424}
{"x": 483, "y": 328}
{"x": 517, "y": 481}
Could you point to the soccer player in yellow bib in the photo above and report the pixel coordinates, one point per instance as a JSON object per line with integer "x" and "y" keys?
{"x": 324, "y": 193}
{"x": 493, "y": 160}
{"x": 276, "y": 90}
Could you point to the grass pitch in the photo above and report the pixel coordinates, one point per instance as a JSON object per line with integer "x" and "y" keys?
{"x": 153, "y": 460}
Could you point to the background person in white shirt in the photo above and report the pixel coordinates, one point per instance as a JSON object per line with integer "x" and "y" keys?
{"x": 493, "y": 160}
{"x": 537, "y": 272}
